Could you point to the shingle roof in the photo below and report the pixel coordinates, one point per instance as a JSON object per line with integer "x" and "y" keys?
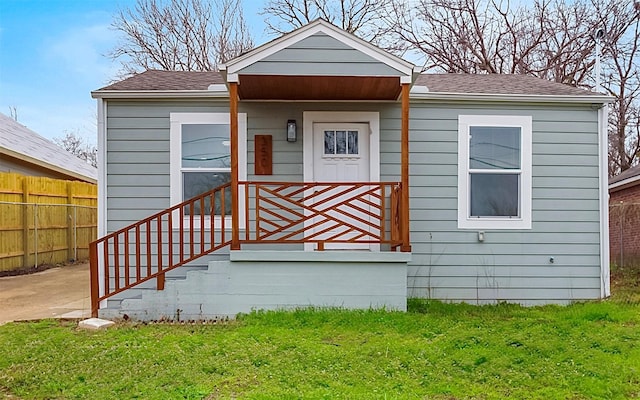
{"x": 497, "y": 84}
{"x": 436, "y": 83}
{"x": 168, "y": 80}
{"x": 630, "y": 173}
{"x": 20, "y": 140}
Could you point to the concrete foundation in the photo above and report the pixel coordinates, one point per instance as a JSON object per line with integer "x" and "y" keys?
{"x": 267, "y": 280}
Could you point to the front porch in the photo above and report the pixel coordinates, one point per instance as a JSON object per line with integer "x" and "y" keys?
{"x": 359, "y": 222}
{"x": 354, "y": 214}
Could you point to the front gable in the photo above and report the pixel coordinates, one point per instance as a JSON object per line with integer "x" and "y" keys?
{"x": 318, "y": 62}
{"x": 320, "y": 54}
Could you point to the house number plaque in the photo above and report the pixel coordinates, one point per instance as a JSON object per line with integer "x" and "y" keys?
{"x": 263, "y": 153}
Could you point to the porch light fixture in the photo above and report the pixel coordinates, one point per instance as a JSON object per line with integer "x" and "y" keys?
{"x": 291, "y": 131}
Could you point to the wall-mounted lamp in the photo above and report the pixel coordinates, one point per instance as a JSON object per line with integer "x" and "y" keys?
{"x": 291, "y": 131}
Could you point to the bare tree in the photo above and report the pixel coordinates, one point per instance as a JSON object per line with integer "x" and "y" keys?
{"x": 550, "y": 39}
{"x": 620, "y": 23}
{"x": 365, "y": 18}
{"x": 78, "y": 146}
{"x": 180, "y": 35}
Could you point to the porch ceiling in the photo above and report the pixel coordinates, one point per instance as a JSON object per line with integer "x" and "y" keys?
{"x": 287, "y": 87}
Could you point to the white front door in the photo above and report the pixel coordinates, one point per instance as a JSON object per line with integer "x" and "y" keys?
{"x": 341, "y": 154}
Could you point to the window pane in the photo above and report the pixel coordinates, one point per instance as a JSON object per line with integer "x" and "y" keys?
{"x": 195, "y": 183}
{"x": 206, "y": 146}
{"x": 494, "y": 195}
{"x": 494, "y": 147}
{"x": 341, "y": 142}
{"x": 352, "y": 142}
{"x": 329, "y": 142}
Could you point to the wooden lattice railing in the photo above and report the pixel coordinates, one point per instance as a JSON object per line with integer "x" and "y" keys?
{"x": 151, "y": 247}
{"x": 322, "y": 213}
{"x": 358, "y": 213}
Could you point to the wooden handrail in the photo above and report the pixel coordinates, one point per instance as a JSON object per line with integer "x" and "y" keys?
{"x": 122, "y": 248}
{"x": 275, "y": 213}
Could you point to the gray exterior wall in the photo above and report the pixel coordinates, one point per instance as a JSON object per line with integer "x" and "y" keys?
{"x": 511, "y": 265}
{"x": 320, "y": 54}
{"x": 447, "y": 263}
{"x": 138, "y": 156}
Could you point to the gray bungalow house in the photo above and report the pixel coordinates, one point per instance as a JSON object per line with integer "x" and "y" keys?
{"x": 319, "y": 170}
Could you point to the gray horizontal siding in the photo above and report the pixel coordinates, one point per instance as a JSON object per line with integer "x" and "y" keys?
{"x": 508, "y": 265}
{"x": 516, "y": 263}
{"x": 138, "y": 156}
{"x": 319, "y": 54}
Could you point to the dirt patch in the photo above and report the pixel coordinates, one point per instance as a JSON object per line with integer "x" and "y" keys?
{"x": 34, "y": 269}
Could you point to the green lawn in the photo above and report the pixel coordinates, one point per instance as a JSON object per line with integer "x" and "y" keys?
{"x": 434, "y": 351}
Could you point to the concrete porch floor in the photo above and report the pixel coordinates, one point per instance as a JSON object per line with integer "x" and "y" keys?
{"x": 62, "y": 292}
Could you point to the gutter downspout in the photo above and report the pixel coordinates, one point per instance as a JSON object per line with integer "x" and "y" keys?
{"x": 605, "y": 282}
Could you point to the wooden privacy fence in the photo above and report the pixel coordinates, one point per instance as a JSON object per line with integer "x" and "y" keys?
{"x": 45, "y": 221}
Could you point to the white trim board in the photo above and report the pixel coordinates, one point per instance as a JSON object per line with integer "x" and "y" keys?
{"x": 102, "y": 187}
{"x": 605, "y": 280}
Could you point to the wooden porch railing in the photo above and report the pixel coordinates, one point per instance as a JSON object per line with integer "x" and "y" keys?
{"x": 322, "y": 213}
{"x": 358, "y": 213}
{"x": 151, "y": 247}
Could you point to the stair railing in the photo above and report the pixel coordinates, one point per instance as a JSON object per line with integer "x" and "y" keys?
{"x": 150, "y": 248}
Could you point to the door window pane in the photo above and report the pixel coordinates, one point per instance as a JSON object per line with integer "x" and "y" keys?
{"x": 195, "y": 183}
{"x": 494, "y": 195}
{"x": 329, "y": 142}
{"x": 206, "y": 146}
{"x": 352, "y": 142}
{"x": 341, "y": 142}
{"x": 494, "y": 147}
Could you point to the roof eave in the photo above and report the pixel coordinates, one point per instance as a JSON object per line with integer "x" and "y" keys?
{"x": 46, "y": 165}
{"x": 533, "y": 98}
{"x": 625, "y": 183}
{"x": 157, "y": 94}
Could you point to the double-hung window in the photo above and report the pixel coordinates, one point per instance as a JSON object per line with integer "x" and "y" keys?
{"x": 494, "y": 172}
{"x": 201, "y": 159}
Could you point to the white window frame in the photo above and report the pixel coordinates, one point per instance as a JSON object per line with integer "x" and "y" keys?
{"x": 465, "y": 221}
{"x": 175, "y": 131}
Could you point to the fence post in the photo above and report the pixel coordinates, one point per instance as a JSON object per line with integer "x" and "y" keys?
{"x": 25, "y": 221}
{"x": 70, "y": 222}
{"x": 35, "y": 233}
{"x": 75, "y": 232}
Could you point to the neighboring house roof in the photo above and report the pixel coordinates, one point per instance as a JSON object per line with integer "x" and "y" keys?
{"x": 625, "y": 179}
{"x": 166, "y": 81}
{"x": 20, "y": 142}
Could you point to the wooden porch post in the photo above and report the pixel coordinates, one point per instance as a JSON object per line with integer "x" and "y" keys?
{"x": 404, "y": 201}
{"x": 233, "y": 110}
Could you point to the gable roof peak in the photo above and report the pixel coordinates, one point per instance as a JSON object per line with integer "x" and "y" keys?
{"x": 234, "y": 66}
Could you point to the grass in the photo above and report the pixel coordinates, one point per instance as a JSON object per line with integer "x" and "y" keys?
{"x": 435, "y": 351}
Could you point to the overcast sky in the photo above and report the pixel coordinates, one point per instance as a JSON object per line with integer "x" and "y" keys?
{"x": 52, "y": 57}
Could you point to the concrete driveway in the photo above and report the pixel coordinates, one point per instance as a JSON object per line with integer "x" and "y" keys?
{"x": 54, "y": 293}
